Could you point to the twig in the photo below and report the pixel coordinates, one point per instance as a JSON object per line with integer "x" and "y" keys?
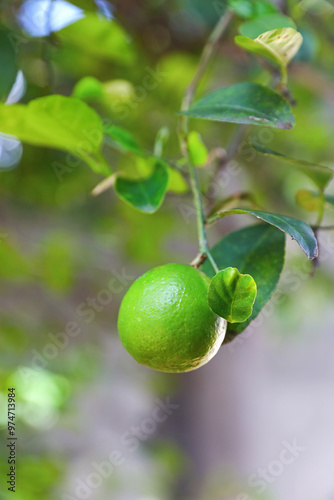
{"x": 322, "y": 228}
{"x": 188, "y": 98}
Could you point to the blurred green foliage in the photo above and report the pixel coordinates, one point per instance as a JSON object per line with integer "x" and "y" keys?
{"x": 59, "y": 245}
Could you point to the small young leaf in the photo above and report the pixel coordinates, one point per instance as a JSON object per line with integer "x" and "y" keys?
{"x": 177, "y": 183}
{"x": 197, "y": 149}
{"x": 88, "y": 89}
{"x": 279, "y": 45}
{"x": 257, "y": 250}
{"x": 247, "y": 103}
{"x": 319, "y": 174}
{"x": 124, "y": 139}
{"x": 261, "y": 24}
{"x": 297, "y": 229}
{"x": 145, "y": 195}
{"x": 8, "y": 63}
{"x": 232, "y": 295}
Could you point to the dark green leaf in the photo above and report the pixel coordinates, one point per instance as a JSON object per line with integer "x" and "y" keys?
{"x": 146, "y": 194}
{"x": 232, "y": 295}
{"x": 329, "y": 199}
{"x": 256, "y": 250}
{"x": 319, "y": 174}
{"x": 261, "y": 24}
{"x": 297, "y": 229}
{"x": 124, "y": 139}
{"x": 247, "y": 103}
{"x": 8, "y": 63}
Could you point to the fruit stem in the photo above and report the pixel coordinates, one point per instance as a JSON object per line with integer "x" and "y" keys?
{"x": 189, "y": 94}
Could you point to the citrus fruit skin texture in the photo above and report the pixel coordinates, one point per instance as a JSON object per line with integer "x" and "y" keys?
{"x": 165, "y": 321}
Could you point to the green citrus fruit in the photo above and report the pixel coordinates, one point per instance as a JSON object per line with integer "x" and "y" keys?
{"x": 165, "y": 321}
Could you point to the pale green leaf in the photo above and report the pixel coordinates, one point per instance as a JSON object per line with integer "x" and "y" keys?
{"x": 99, "y": 37}
{"x": 279, "y": 45}
{"x": 58, "y": 122}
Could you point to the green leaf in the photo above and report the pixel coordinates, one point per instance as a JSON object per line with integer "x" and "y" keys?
{"x": 99, "y": 37}
{"x": 319, "y": 174}
{"x": 297, "y": 229}
{"x": 250, "y": 8}
{"x": 197, "y": 149}
{"x": 257, "y": 250}
{"x": 145, "y": 195}
{"x": 8, "y": 63}
{"x": 247, "y": 103}
{"x": 124, "y": 139}
{"x": 232, "y": 295}
{"x": 177, "y": 183}
{"x": 89, "y": 89}
{"x": 59, "y": 122}
{"x": 279, "y": 45}
{"x": 261, "y": 24}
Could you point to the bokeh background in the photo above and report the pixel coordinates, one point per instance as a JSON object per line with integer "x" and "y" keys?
{"x": 80, "y": 397}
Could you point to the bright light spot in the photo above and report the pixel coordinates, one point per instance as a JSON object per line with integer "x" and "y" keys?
{"x": 41, "y": 394}
{"x": 40, "y": 386}
{"x": 18, "y": 89}
{"x": 42, "y": 17}
{"x": 10, "y": 152}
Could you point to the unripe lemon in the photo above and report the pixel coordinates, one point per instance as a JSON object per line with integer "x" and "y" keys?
{"x": 165, "y": 321}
